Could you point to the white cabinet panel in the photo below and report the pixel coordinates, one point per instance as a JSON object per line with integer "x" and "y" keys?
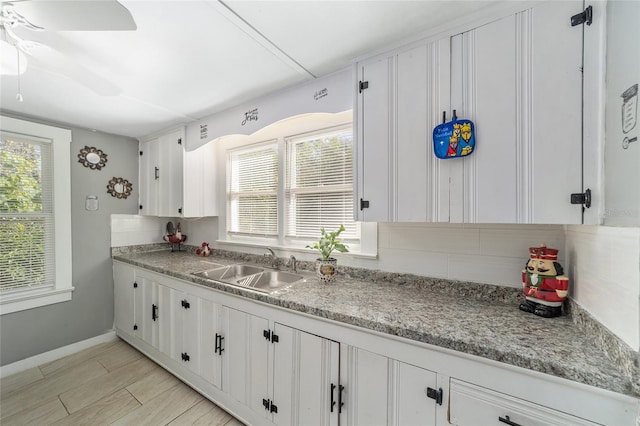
{"x": 212, "y": 342}
{"x": 185, "y": 329}
{"x": 375, "y": 105}
{"x": 155, "y": 319}
{"x": 124, "y": 289}
{"x": 305, "y": 379}
{"x": 367, "y": 397}
{"x": 161, "y": 170}
{"x": 412, "y": 406}
{"x": 246, "y": 368}
{"x": 474, "y": 405}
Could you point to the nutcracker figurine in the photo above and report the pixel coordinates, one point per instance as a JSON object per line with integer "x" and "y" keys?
{"x": 543, "y": 283}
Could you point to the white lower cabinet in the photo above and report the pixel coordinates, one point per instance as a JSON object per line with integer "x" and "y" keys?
{"x": 153, "y": 313}
{"x": 384, "y": 391}
{"x": 306, "y": 388}
{"x": 470, "y": 404}
{"x": 212, "y": 350}
{"x": 268, "y": 365}
{"x": 185, "y": 329}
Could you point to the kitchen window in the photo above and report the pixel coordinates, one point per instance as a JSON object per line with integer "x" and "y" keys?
{"x": 282, "y": 189}
{"x": 35, "y": 215}
{"x": 319, "y": 185}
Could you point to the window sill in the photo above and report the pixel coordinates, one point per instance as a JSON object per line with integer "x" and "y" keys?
{"x": 288, "y": 249}
{"x": 33, "y": 299}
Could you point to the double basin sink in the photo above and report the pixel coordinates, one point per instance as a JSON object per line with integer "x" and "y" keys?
{"x": 250, "y": 276}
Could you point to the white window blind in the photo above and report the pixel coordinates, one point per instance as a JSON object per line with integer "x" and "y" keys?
{"x": 253, "y": 191}
{"x": 319, "y": 185}
{"x": 27, "y": 251}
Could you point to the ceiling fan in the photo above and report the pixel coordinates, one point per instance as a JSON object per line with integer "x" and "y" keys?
{"x": 18, "y": 18}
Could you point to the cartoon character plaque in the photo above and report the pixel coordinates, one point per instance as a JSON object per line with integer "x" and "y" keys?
{"x": 454, "y": 139}
{"x": 544, "y": 284}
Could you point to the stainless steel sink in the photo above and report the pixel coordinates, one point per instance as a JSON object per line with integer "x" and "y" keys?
{"x": 250, "y": 276}
{"x": 229, "y": 274}
{"x": 269, "y": 280}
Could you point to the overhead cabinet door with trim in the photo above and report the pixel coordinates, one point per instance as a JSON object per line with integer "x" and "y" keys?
{"x": 519, "y": 79}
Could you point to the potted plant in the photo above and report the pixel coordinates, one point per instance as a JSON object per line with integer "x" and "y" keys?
{"x": 326, "y": 265}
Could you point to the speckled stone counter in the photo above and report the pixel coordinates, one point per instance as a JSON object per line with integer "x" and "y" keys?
{"x": 475, "y": 319}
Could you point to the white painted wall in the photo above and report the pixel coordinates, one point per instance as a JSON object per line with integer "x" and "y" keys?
{"x": 605, "y": 269}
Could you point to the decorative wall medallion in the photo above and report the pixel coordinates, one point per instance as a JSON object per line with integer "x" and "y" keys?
{"x": 92, "y": 157}
{"x": 119, "y": 188}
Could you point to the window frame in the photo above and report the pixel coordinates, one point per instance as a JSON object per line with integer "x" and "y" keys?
{"x": 292, "y": 128}
{"x": 28, "y": 298}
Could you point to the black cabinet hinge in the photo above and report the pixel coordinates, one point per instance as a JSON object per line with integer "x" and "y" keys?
{"x": 185, "y": 356}
{"x": 585, "y": 17}
{"x": 185, "y": 304}
{"x": 434, "y": 394}
{"x": 269, "y": 405}
{"x": 135, "y": 285}
{"x": 363, "y": 85}
{"x": 583, "y": 198}
{"x": 135, "y": 326}
{"x": 270, "y": 336}
{"x": 364, "y": 204}
{"x": 180, "y": 210}
{"x": 140, "y": 207}
{"x": 140, "y": 153}
{"x": 180, "y": 141}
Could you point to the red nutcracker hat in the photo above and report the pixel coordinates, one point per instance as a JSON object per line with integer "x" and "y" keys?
{"x": 543, "y": 252}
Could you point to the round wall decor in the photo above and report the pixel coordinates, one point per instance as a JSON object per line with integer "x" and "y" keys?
{"x": 92, "y": 157}
{"x": 119, "y": 187}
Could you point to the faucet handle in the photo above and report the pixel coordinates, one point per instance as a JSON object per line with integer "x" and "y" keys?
{"x": 292, "y": 264}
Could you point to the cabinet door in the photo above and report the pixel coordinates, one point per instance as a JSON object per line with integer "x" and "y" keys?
{"x": 124, "y": 289}
{"x": 422, "y": 94}
{"x": 149, "y": 178}
{"x": 155, "y": 313}
{"x": 200, "y": 182}
{"x": 305, "y": 378}
{"x": 366, "y": 387}
{"x": 519, "y": 80}
{"x": 212, "y": 342}
{"x": 170, "y": 158}
{"x": 411, "y": 405}
{"x": 246, "y": 359}
{"x": 185, "y": 329}
{"x": 374, "y": 133}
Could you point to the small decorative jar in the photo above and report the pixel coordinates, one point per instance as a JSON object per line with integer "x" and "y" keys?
{"x": 326, "y": 269}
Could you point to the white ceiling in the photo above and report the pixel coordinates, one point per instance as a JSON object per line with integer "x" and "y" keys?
{"x": 188, "y": 59}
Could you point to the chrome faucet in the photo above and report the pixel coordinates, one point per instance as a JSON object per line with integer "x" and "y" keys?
{"x": 275, "y": 262}
{"x": 292, "y": 264}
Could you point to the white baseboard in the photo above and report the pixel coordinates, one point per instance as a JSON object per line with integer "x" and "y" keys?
{"x": 36, "y": 360}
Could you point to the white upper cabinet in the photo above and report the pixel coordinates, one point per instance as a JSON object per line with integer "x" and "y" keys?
{"x": 161, "y": 170}
{"x": 519, "y": 79}
{"x": 175, "y": 182}
{"x": 398, "y": 102}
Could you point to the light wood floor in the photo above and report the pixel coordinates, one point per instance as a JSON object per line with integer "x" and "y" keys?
{"x": 106, "y": 384}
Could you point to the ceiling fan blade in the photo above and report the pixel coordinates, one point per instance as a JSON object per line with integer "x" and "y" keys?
{"x": 65, "y": 15}
{"x": 50, "y": 60}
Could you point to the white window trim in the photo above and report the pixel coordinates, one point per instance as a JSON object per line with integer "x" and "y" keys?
{"x": 22, "y": 299}
{"x": 368, "y": 247}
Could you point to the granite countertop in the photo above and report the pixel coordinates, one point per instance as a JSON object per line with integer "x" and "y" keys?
{"x": 430, "y": 311}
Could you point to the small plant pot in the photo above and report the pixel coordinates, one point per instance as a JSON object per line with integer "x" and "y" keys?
{"x": 326, "y": 269}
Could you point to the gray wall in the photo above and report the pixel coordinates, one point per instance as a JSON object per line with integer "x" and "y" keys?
{"x": 90, "y": 312}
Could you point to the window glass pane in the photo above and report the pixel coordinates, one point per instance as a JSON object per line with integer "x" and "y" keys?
{"x": 253, "y": 191}
{"x": 319, "y": 191}
{"x": 26, "y": 213}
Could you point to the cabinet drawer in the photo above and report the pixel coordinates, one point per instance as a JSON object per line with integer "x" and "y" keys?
{"x": 474, "y": 405}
